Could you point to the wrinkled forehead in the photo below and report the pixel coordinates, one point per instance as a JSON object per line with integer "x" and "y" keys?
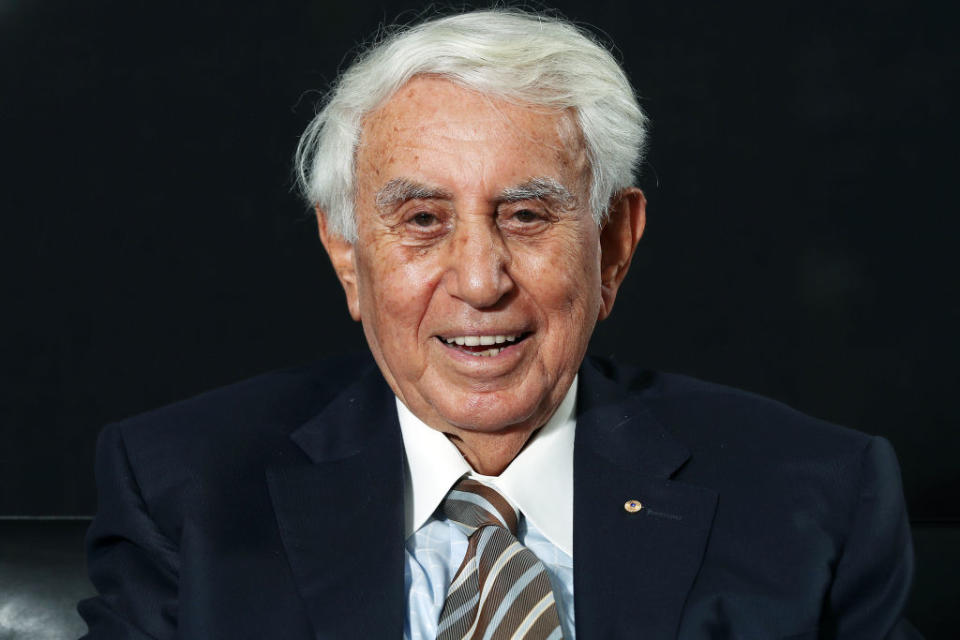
{"x": 431, "y": 111}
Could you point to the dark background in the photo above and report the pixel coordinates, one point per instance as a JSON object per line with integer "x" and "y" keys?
{"x": 800, "y": 242}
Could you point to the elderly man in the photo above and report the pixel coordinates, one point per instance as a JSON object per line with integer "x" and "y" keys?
{"x": 472, "y": 178}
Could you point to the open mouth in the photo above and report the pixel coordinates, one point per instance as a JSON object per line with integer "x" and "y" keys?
{"x": 483, "y": 346}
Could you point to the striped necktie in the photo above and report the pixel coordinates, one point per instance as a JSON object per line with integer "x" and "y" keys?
{"x": 501, "y": 590}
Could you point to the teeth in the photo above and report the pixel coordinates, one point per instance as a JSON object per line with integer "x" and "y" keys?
{"x": 473, "y": 341}
{"x": 487, "y": 353}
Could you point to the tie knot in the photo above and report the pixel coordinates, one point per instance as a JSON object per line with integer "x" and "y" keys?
{"x": 471, "y": 505}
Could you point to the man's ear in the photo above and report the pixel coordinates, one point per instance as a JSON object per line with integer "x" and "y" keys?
{"x": 618, "y": 240}
{"x": 342, "y": 257}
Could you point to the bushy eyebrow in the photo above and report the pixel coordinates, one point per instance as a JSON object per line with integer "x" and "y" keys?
{"x": 400, "y": 190}
{"x": 546, "y": 189}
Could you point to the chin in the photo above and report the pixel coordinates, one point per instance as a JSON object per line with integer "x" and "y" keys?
{"x": 491, "y": 412}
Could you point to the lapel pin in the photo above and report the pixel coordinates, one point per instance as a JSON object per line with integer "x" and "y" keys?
{"x": 632, "y": 506}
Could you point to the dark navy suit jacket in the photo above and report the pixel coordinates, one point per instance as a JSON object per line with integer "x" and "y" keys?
{"x": 273, "y": 508}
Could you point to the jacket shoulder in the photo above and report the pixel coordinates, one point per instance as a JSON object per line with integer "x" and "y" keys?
{"x": 708, "y": 415}
{"x": 276, "y": 401}
{"x": 246, "y": 423}
{"x": 208, "y": 453}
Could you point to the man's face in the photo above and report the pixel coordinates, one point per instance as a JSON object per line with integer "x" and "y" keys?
{"x": 473, "y": 225}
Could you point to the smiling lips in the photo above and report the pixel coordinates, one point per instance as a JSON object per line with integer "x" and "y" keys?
{"x": 485, "y": 346}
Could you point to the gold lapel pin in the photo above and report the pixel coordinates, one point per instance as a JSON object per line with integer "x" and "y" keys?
{"x": 632, "y": 506}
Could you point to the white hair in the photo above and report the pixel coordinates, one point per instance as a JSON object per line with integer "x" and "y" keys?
{"x": 510, "y": 54}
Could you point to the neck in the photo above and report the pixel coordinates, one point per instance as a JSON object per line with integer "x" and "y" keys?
{"x": 490, "y": 453}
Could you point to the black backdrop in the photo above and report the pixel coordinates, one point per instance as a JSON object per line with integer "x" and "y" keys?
{"x": 800, "y": 240}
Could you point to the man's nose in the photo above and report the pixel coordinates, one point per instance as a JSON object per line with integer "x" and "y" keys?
{"x": 477, "y": 269}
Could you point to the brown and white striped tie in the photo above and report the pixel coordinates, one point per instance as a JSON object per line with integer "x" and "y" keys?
{"x": 501, "y": 590}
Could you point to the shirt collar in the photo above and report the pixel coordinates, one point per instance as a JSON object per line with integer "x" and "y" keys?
{"x": 539, "y": 481}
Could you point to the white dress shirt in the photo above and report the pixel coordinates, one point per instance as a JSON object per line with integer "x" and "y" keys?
{"x": 538, "y": 482}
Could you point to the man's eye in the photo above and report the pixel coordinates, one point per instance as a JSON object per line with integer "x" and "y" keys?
{"x": 424, "y": 219}
{"x": 526, "y": 216}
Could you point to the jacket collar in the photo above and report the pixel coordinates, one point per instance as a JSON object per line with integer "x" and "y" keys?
{"x": 632, "y": 570}
{"x": 348, "y": 496}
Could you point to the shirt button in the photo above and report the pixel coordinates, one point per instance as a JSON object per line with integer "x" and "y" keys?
{"x": 632, "y": 506}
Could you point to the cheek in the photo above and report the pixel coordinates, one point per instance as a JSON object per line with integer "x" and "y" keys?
{"x": 396, "y": 291}
{"x": 566, "y": 281}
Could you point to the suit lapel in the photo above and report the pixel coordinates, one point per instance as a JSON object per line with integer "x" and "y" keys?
{"x": 632, "y": 571}
{"x": 341, "y": 515}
